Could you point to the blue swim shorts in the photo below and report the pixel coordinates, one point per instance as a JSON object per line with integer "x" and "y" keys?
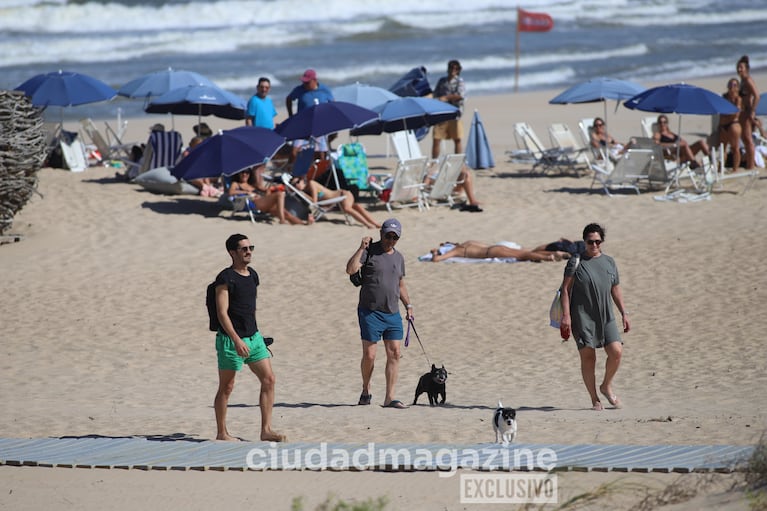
{"x": 227, "y": 352}
{"x": 375, "y": 325}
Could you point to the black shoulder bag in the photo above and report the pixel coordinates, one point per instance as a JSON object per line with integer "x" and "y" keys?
{"x": 356, "y": 277}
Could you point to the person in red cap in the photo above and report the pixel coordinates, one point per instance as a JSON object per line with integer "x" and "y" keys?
{"x": 311, "y": 92}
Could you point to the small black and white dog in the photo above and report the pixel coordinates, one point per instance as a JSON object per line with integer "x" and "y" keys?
{"x": 505, "y": 424}
{"x": 433, "y": 383}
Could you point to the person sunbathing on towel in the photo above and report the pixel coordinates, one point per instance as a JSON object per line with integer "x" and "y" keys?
{"x": 503, "y": 250}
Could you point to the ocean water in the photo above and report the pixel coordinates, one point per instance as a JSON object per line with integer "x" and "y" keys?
{"x": 233, "y": 42}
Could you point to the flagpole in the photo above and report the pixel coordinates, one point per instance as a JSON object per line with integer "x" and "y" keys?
{"x": 516, "y": 51}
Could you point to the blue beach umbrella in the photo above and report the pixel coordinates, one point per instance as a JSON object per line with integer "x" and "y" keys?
{"x": 199, "y": 100}
{"x": 680, "y": 98}
{"x": 360, "y": 94}
{"x": 478, "y": 153}
{"x": 160, "y": 82}
{"x": 761, "y": 108}
{"x": 229, "y": 152}
{"x": 324, "y": 119}
{"x": 408, "y": 113}
{"x": 65, "y": 88}
{"x": 598, "y": 89}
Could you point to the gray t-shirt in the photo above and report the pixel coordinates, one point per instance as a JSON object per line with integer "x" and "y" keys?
{"x": 591, "y": 303}
{"x": 380, "y": 279}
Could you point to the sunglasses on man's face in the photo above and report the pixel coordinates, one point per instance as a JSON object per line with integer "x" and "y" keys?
{"x": 247, "y": 249}
{"x": 594, "y": 242}
{"x": 391, "y": 236}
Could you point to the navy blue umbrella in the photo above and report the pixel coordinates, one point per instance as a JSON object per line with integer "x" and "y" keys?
{"x": 408, "y": 113}
{"x": 199, "y": 100}
{"x": 324, "y": 119}
{"x": 680, "y": 98}
{"x": 65, "y": 88}
{"x": 229, "y": 152}
{"x": 761, "y": 108}
{"x": 160, "y": 82}
{"x": 478, "y": 153}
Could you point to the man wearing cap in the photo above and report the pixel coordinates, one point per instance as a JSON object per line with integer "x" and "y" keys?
{"x": 383, "y": 285}
{"x": 309, "y": 93}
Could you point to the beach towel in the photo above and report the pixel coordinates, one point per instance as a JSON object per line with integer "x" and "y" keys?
{"x": 446, "y": 247}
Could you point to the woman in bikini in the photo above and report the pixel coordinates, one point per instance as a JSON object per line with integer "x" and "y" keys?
{"x": 272, "y": 202}
{"x": 477, "y": 250}
{"x": 729, "y": 127}
{"x": 750, "y": 97}
{"x": 669, "y": 140}
{"x": 318, "y": 192}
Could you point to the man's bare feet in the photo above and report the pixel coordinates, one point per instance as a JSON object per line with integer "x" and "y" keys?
{"x": 272, "y": 436}
{"x": 228, "y": 438}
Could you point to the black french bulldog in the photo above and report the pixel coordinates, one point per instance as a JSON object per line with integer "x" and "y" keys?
{"x": 433, "y": 383}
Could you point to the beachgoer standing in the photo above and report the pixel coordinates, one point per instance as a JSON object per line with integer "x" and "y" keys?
{"x": 238, "y": 340}
{"x": 261, "y": 111}
{"x": 450, "y": 89}
{"x": 589, "y": 289}
{"x": 749, "y": 94}
{"x": 311, "y": 92}
{"x": 729, "y": 126}
{"x": 383, "y": 285}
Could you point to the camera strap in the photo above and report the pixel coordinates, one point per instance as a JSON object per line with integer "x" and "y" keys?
{"x": 411, "y": 324}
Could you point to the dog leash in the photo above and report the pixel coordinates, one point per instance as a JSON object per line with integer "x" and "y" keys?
{"x": 411, "y": 324}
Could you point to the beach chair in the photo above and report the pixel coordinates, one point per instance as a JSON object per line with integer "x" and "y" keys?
{"x": 563, "y": 138}
{"x": 553, "y": 158}
{"x": 302, "y": 166}
{"x": 407, "y": 185}
{"x": 722, "y": 176}
{"x": 628, "y": 172}
{"x": 353, "y": 163}
{"x": 106, "y": 150}
{"x": 649, "y": 126}
{"x": 446, "y": 179}
{"x": 406, "y": 145}
{"x": 241, "y": 203}
{"x": 163, "y": 149}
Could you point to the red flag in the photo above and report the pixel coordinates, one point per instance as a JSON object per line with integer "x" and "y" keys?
{"x": 533, "y": 21}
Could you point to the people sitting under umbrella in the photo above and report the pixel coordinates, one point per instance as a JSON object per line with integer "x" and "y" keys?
{"x": 604, "y": 143}
{"x": 673, "y": 143}
{"x": 317, "y": 192}
{"x": 273, "y": 202}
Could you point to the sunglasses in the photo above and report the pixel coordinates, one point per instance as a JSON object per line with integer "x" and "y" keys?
{"x": 598, "y": 125}
{"x": 391, "y": 236}
{"x": 247, "y": 249}
{"x": 594, "y": 242}
{"x": 663, "y": 121}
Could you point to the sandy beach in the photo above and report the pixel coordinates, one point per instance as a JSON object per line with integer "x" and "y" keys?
{"x": 105, "y": 329}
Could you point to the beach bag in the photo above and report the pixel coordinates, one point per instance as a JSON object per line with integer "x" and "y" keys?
{"x": 356, "y": 277}
{"x": 556, "y": 311}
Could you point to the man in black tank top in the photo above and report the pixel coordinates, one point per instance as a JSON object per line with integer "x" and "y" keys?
{"x": 238, "y": 340}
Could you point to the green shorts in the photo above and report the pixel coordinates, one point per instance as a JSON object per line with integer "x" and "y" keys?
{"x": 227, "y": 353}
